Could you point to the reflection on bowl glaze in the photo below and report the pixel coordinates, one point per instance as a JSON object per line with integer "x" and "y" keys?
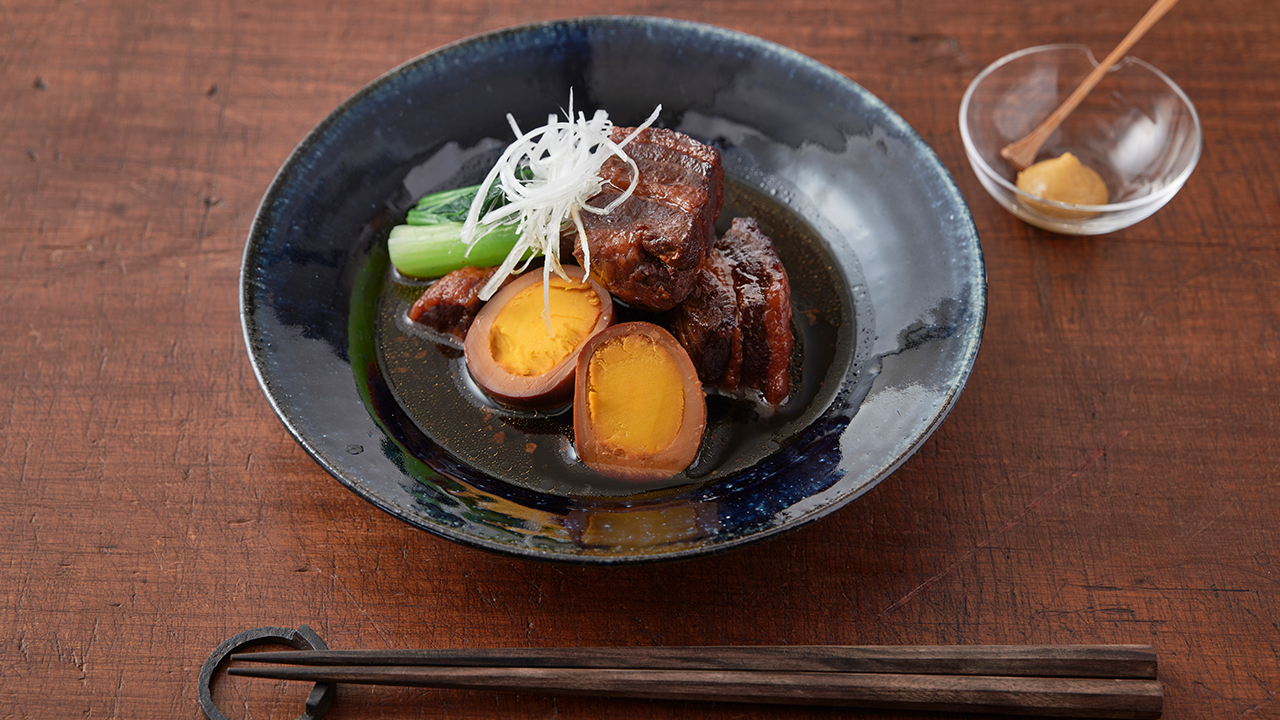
{"x": 654, "y": 526}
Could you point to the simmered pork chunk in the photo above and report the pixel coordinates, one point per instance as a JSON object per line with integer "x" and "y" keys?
{"x": 451, "y": 303}
{"x": 646, "y": 251}
{"x": 741, "y": 301}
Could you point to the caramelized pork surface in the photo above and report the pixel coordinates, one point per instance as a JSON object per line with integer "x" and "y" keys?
{"x": 647, "y": 250}
{"x": 450, "y": 304}
{"x": 736, "y": 321}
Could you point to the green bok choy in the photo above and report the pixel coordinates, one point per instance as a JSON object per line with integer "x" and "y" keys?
{"x": 429, "y": 244}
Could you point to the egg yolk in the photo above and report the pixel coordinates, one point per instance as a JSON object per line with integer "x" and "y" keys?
{"x": 635, "y": 395}
{"x": 519, "y": 340}
{"x": 1063, "y": 179}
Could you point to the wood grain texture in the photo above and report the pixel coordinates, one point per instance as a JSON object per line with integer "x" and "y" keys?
{"x": 1108, "y": 476}
{"x": 1126, "y": 699}
{"x": 1070, "y": 661}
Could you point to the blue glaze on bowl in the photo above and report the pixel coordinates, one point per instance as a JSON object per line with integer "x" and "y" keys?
{"x": 897, "y": 229}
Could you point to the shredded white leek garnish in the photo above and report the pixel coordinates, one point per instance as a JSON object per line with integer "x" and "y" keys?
{"x": 547, "y": 175}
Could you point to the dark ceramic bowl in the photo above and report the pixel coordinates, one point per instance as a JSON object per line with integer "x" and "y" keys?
{"x": 888, "y": 284}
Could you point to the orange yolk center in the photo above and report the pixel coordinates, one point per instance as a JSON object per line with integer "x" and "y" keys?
{"x": 635, "y": 395}
{"x": 519, "y": 340}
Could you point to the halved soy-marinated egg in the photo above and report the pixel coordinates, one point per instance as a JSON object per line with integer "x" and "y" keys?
{"x": 510, "y": 352}
{"x": 638, "y": 407}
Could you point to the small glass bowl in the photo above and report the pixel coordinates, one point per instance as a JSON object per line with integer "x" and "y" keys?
{"x": 1137, "y": 129}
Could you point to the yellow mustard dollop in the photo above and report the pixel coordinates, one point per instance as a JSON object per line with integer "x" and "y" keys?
{"x": 1063, "y": 179}
{"x": 635, "y": 395}
{"x": 519, "y": 341}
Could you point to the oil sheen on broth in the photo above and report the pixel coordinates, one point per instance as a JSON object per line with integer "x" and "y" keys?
{"x": 535, "y": 449}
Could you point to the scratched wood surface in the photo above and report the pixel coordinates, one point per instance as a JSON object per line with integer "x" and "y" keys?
{"x": 1110, "y": 475}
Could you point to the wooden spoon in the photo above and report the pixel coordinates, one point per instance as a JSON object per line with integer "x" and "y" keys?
{"x": 1022, "y": 153}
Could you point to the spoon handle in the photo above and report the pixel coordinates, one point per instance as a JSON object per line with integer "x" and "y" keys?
{"x": 1022, "y": 153}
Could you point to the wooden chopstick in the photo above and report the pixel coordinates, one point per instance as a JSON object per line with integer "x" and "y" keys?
{"x": 1039, "y": 696}
{"x": 1104, "y": 681}
{"x": 1081, "y": 661}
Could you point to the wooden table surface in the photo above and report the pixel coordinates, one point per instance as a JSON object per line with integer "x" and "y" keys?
{"x": 1109, "y": 475}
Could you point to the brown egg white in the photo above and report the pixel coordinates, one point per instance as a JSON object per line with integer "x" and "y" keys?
{"x": 509, "y": 351}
